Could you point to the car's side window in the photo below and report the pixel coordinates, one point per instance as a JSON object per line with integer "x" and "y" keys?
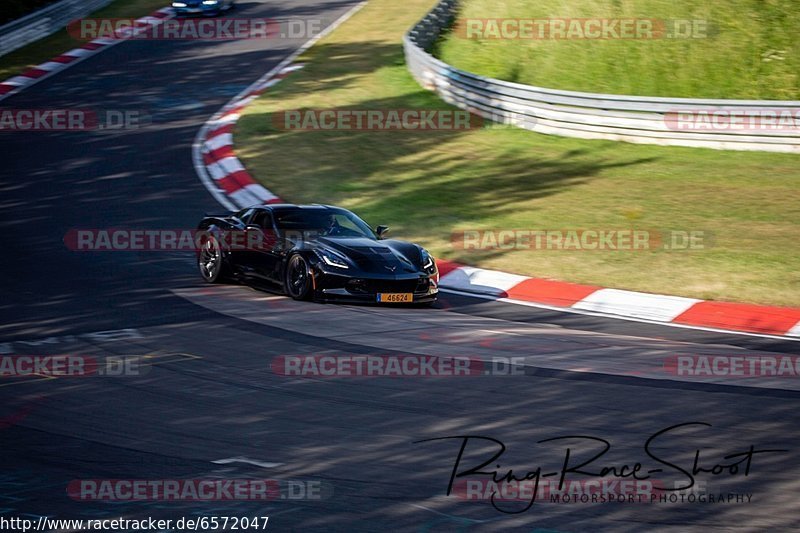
{"x": 346, "y": 227}
{"x": 263, "y": 219}
{"x": 244, "y": 215}
{"x": 266, "y": 222}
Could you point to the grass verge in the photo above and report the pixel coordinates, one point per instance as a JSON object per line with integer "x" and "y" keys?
{"x": 738, "y": 48}
{"x": 53, "y": 45}
{"x": 428, "y": 184}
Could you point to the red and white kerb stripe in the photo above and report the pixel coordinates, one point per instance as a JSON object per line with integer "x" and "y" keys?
{"x": 765, "y": 320}
{"x": 59, "y": 63}
{"x": 224, "y": 168}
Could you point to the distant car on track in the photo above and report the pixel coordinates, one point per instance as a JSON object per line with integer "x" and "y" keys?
{"x": 201, "y": 7}
{"x": 315, "y": 252}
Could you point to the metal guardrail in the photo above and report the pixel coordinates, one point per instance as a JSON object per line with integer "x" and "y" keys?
{"x": 635, "y": 119}
{"x": 44, "y": 22}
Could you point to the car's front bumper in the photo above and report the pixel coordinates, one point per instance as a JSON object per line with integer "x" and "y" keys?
{"x": 424, "y": 288}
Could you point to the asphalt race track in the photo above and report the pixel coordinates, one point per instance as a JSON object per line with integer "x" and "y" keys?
{"x": 209, "y": 404}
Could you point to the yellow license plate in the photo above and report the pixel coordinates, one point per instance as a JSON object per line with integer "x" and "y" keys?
{"x": 396, "y": 297}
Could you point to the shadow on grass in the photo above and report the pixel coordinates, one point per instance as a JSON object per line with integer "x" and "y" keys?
{"x": 407, "y": 179}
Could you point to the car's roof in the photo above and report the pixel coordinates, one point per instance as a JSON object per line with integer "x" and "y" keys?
{"x": 292, "y": 207}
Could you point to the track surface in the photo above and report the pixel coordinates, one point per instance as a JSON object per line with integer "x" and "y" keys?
{"x": 210, "y": 393}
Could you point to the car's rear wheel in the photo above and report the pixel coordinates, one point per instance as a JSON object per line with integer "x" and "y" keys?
{"x": 210, "y": 261}
{"x": 297, "y": 279}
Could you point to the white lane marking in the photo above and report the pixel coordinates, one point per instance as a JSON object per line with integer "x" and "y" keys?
{"x": 636, "y": 304}
{"x": 230, "y": 460}
{"x": 246, "y": 101}
{"x": 574, "y": 311}
{"x": 795, "y": 331}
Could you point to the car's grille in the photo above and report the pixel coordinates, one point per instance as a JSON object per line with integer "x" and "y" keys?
{"x": 372, "y": 286}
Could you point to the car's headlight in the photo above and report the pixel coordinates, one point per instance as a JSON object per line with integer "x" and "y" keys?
{"x": 331, "y": 259}
{"x": 427, "y": 260}
{"x": 210, "y": 2}
{"x": 178, "y": 4}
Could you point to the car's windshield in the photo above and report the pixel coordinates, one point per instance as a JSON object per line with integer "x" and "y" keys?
{"x": 323, "y": 222}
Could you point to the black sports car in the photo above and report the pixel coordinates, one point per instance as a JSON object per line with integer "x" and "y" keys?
{"x": 315, "y": 252}
{"x": 201, "y": 7}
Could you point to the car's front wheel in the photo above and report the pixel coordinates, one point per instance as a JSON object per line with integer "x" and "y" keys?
{"x": 210, "y": 261}
{"x": 297, "y": 279}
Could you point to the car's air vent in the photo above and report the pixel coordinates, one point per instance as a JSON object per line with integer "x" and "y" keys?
{"x": 371, "y": 249}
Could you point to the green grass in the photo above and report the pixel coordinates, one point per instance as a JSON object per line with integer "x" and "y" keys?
{"x": 751, "y": 51}
{"x": 49, "y": 47}
{"x": 426, "y": 185}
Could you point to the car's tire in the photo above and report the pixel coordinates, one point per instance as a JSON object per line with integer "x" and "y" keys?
{"x": 211, "y": 262}
{"x": 297, "y": 281}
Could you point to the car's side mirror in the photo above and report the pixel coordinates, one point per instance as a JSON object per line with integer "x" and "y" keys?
{"x": 382, "y": 231}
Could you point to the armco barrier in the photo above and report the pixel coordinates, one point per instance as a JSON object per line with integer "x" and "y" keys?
{"x": 590, "y": 116}
{"x": 45, "y": 21}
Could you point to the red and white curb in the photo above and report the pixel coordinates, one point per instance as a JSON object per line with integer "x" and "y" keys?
{"x": 222, "y": 172}
{"x": 75, "y": 56}
{"x": 758, "y": 320}
{"x": 215, "y": 162}
{"x": 229, "y": 182}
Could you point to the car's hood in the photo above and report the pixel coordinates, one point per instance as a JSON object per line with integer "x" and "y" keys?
{"x": 382, "y": 257}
